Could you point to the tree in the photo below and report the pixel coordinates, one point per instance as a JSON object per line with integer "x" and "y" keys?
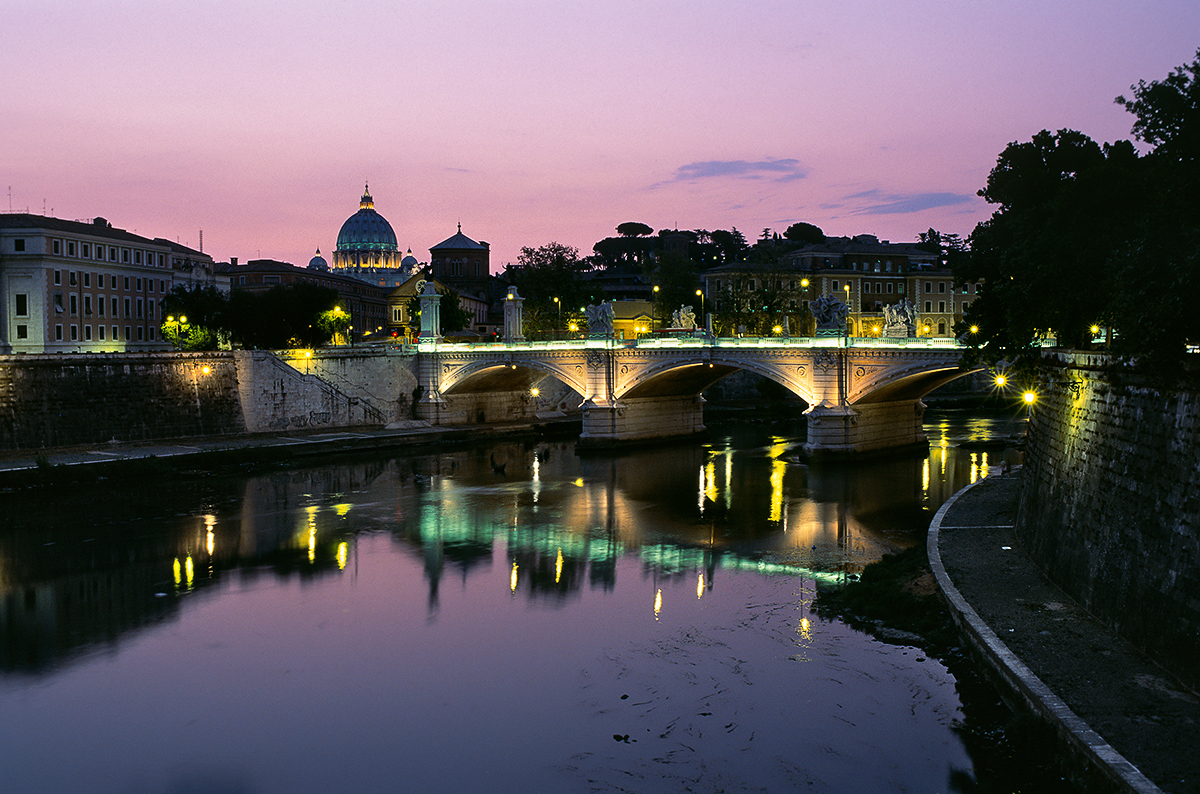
{"x": 206, "y": 310}
{"x": 1168, "y": 113}
{"x": 285, "y": 316}
{"x": 634, "y": 229}
{"x": 550, "y": 271}
{"x": 804, "y": 233}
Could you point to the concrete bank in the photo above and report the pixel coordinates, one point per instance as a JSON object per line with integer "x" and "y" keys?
{"x": 1127, "y": 723}
{"x": 30, "y": 467}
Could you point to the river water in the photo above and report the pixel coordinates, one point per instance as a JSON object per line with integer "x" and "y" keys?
{"x": 501, "y": 618}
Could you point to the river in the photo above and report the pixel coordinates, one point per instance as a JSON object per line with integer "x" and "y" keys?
{"x": 503, "y": 618}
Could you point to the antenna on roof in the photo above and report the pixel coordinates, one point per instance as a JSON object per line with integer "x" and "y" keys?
{"x": 201, "y": 241}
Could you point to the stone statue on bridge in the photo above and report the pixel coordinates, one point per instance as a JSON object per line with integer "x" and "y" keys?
{"x": 600, "y": 319}
{"x": 900, "y": 319}
{"x": 684, "y": 317}
{"x": 830, "y": 313}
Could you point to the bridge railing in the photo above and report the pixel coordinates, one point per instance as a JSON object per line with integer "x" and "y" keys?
{"x": 685, "y": 342}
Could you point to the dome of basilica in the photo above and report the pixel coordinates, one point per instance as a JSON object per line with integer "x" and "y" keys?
{"x": 318, "y": 262}
{"x": 366, "y": 230}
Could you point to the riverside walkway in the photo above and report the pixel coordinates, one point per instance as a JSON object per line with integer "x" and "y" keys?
{"x": 1121, "y": 714}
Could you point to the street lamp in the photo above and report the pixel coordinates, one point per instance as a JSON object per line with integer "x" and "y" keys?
{"x": 558, "y": 303}
{"x": 700, "y": 295}
{"x": 847, "y": 288}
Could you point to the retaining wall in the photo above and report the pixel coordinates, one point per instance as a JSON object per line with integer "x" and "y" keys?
{"x": 73, "y": 399}
{"x": 1110, "y": 503}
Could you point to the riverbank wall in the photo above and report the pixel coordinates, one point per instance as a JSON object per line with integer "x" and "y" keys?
{"x": 49, "y": 401}
{"x": 1110, "y": 501}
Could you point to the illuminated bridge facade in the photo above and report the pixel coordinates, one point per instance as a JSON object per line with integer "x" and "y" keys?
{"x": 863, "y": 394}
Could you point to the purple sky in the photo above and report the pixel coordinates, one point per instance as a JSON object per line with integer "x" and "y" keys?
{"x": 533, "y": 122}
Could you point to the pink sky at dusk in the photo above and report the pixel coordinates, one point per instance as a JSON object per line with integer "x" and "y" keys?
{"x": 533, "y": 122}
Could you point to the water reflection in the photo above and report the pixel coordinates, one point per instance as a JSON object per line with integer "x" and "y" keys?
{"x": 436, "y": 551}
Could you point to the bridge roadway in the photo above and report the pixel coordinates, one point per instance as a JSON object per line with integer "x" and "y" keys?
{"x": 864, "y": 395}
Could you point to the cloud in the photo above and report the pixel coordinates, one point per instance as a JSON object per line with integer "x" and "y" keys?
{"x": 882, "y": 204}
{"x": 785, "y": 170}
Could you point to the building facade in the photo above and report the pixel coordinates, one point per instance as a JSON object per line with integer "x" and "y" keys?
{"x": 863, "y": 272}
{"x": 88, "y": 287}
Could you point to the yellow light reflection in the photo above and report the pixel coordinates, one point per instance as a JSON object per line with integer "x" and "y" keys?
{"x": 579, "y": 482}
{"x": 558, "y": 565}
{"x": 943, "y": 461}
{"x": 778, "y": 467}
{"x": 512, "y": 580}
{"x": 700, "y": 586}
{"x": 657, "y": 602}
{"x": 983, "y": 464}
{"x": 190, "y": 569}
{"x": 341, "y": 509}
{"x": 806, "y": 629}
{"x": 925, "y": 477}
{"x": 178, "y": 570}
{"x": 210, "y": 541}
{"x": 974, "y": 467}
{"x": 701, "y": 492}
{"x": 312, "y": 545}
{"x": 710, "y": 490}
{"x": 342, "y": 555}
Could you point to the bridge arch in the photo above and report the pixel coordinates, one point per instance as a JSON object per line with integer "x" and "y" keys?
{"x": 482, "y": 375}
{"x": 675, "y": 378}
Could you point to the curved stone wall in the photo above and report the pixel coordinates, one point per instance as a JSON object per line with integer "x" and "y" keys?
{"x": 1110, "y": 502}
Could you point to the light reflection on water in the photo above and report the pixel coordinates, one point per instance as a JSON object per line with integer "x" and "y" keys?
{"x": 478, "y": 618}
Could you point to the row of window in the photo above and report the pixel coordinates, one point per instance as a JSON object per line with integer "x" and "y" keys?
{"x": 73, "y": 279}
{"x": 101, "y": 252}
{"x": 142, "y": 333}
{"x": 144, "y": 309}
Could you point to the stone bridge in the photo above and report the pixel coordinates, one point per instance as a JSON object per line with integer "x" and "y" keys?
{"x": 863, "y": 394}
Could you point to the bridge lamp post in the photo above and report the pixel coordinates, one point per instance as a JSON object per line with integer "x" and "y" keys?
{"x": 1030, "y": 398}
{"x": 847, "y": 288}
{"x": 653, "y": 305}
{"x": 558, "y": 303}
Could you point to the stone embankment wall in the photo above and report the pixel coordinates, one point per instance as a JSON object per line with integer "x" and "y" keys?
{"x": 67, "y": 400}
{"x": 1110, "y": 503}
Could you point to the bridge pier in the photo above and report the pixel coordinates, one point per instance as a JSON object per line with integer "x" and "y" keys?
{"x": 850, "y": 430}
{"x": 606, "y": 423}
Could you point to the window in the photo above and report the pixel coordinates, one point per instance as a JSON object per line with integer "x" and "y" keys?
{"x": 100, "y": 332}
{"x": 112, "y": 254}
{"x": 150, "y": 308}
{"x": 58, "y": 246}
{"x": 942, "y": 307}
{"x": 22, "y": 304}
{"x": 100, "y": 305}
{"x": 22, "y": 332}
{"x": 114, "y": 312}
{"x": 70, "y": 248}
{"x": 58, "y": 302}
{"x": 125, "y": 255}
{"x": 966, "y": 289}
{"x": 162, "y": 285}
{"x": 19, "y": 244}
{"x": 129, "y": 333}
{"x": 140, "y": 309}
{"x": 87, "y": 279}
{"x": 141, "y": 333}
{"x": 928, "y": 306}
{"x": 139, "y": 284}
{"x": 58, "y": 333}
{"x": 928, "y": 286}
{"x": 150, "y": 284}
{"x": 115, "y": 335}
{"x": 137, "y": 257}
{"x": 58, "y": 277}
{"x": 241, "y": 280}
{"x": 74, "y": 304}
{"x": 72, "y": 278}
{"x": 126, "y": 280}
{"x": 127, "y": 314}
{"x": 74, "y": 333}
{"x": 86, "y": 250}
{"x": 835, "y": 284}
{"x": 87, "y": 333}
{"x": 942, "y": 328}
{"x": 87, "y": 305}
{"x": 889, "y": 288}
{"x": 941, "y": 286}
